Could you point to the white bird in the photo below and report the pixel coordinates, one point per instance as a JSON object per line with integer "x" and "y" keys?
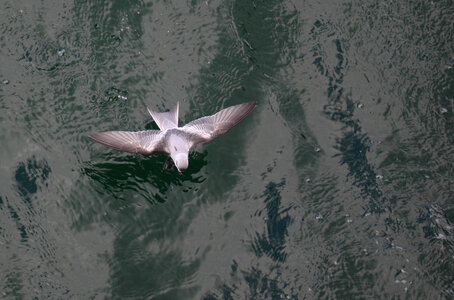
{"x": 171, "y": 139}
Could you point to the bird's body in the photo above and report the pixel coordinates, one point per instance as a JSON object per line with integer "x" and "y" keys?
{"x": 171, "y": 139}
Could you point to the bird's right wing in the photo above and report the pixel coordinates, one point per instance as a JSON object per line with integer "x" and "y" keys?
{"x": 144, "y": 142}
{"x": 207, "y": 128}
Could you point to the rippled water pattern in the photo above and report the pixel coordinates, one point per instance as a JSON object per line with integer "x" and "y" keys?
{"x": 338, "y": 186}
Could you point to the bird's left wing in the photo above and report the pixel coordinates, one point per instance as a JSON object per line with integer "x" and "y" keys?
{"x": 207, "y": 128}
{"x": 144, "y": 142}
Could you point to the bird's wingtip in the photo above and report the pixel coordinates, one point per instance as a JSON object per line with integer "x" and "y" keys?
{"x": 251, "y": 105}
{"x": 94, "y": 137}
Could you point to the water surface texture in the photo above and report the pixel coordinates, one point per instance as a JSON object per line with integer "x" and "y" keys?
{"x": 340, "y": 184}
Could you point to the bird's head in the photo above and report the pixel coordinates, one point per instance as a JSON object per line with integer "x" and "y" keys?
{"x": 181, "y": 161}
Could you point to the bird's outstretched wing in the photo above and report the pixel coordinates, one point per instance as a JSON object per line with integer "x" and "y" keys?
{"x": 207, "y": 128}
{"x": 166, "y": 120}
{"x": 144, "y": 142}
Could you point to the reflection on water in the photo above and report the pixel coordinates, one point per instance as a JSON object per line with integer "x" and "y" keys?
{"x": 339, "y": 185}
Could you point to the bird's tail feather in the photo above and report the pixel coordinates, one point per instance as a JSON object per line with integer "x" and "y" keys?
{"x": 166, "y": 120}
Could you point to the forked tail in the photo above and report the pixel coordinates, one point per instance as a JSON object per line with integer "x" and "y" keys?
{"x": 166, "y": 120}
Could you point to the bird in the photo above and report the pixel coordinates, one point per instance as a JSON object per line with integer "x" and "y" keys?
{"x": 174, "y": 140}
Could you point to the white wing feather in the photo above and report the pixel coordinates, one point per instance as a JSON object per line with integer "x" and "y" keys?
{"x": 207, "y": 128}
{"x": 144, "y": 142}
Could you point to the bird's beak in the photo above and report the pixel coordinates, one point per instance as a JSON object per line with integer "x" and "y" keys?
{"x": 179, "y": 171}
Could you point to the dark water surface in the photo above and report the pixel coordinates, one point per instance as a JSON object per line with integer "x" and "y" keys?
{"x": 339, "y": 185}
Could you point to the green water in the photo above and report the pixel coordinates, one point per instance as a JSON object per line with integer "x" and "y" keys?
{"x": 339, "y": 185}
